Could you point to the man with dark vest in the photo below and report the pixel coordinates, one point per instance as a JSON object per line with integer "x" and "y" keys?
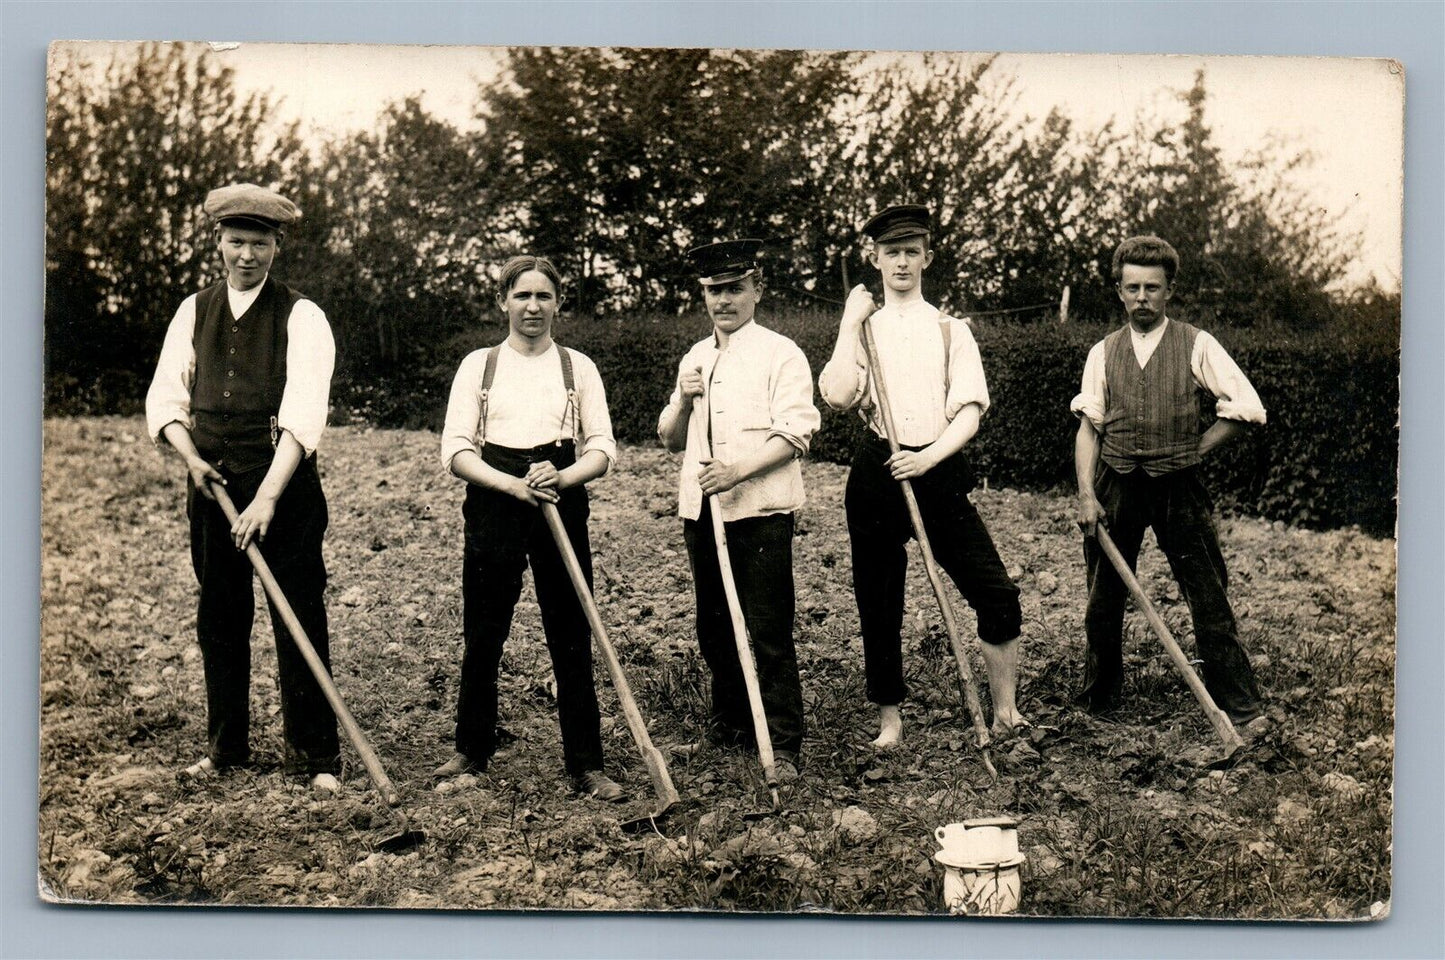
{"x": 240, "y": 392}
{"x": 1137, "y": 456}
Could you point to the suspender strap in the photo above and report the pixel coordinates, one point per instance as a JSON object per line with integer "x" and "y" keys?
{"x": 572, "y": 415}
{"x": 947, "y": 330}
{"x": 869, "y": 409}
{"x": 489, "y": 373}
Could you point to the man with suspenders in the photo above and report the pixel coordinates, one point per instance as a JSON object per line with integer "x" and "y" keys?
{"x": 935, "y": 380}
{"x": 525, "y": 427}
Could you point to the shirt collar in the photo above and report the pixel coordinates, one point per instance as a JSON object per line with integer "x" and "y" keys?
{"x": 914, "y": 309}
{"x": 741, "y": 335}
{"x": 240, "y": 300}
{"x": 1152, "y": 335}
{"x": 507, "y": 343}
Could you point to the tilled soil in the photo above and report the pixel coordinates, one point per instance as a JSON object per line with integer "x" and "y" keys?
{"x": 1122, "y": 817}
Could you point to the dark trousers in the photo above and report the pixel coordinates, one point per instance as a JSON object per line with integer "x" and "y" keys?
{"x": 227, "y": 609}
{"x": 1179, "y": 509}
{"x": 879, "y": 529}
{"x": 504, "y": 535}
{"x": 760, "y": 550}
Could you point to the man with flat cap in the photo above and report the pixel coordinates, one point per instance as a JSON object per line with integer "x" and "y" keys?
{"x": 758, "y": 393}
{"x": 937, "y": 393}
{"x": 240, "y": 392}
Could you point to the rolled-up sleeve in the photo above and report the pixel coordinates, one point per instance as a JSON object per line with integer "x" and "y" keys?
{"x": 1216, "y": 371}
{"x": 592, "y": 410}
{"x": 168, "y": 400}
{"x": 791, "y": 409}
{"x": 1091, "y": 398}
{"x": 673, "y": 409}
{"x": 310, "y": 361}
{"x": 464, "y": 410}
{"x": 842, "y": 384}
{"x": 966, "y": 381}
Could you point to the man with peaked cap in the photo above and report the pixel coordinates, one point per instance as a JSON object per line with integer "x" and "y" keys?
{"x": 937, "y": 392}
{"x": 240, "y": 393}
{"x": 758, "y": 392}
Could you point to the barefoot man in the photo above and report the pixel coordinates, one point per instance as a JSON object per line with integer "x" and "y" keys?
{"x": 935, "y": 381}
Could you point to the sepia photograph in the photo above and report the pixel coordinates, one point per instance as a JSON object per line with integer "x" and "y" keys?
{"x": 648, "y": 479}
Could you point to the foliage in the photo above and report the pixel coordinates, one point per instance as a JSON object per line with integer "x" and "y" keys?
{"x": 619, "y": 160}
{"x": 409, "y": 237}
{"x": 1316, "y": 388}
{"x": 615, "y": 161}
{"x": 131, "y": 150}
{"x": 1254, "y": 248}
{"x": 1016, "y": 204}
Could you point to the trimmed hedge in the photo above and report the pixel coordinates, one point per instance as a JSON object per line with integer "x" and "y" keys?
{"x": 1327, "y": 458}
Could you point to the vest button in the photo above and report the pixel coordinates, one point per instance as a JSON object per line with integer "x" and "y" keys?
{"x": 226, "y": 417}
{"x": 233, "y": 350}
{"x": 232, "y": 373}
{"x": 234, "y": 329}
{"x": 225, "y": 393}
{"x": 221, "y": 462}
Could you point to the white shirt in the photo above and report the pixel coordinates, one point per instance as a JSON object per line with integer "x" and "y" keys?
{"x": 910, "y": 348}
{"x": 1211, "y": 367}
{"x": 527, "y": 405}
{"x": 310, "y": 359}
{"x": 757, "y": 387}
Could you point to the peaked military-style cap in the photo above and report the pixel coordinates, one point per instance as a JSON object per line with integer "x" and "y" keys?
{"x": 246, "y": 203}
{"x": 898, "y": 223}
{"x": 726, "y": 261}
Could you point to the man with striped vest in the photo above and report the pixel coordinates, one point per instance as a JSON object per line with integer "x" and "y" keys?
{"x": 1137, "y": 456}
{"x": 241, "y": 392}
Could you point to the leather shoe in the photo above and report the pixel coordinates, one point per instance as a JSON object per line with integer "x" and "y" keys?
{"x": 600, "y": 786}
{"x": 686, "y": 751}
{"x": 458, "y": 764}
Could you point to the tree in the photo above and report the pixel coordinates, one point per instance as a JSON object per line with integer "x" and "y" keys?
{"x": 413, "y": 233}
{"x": 1253, "y": 246}
{"x": 619, "y": 160}
{"x": 131, "y": 150}
{"x": 1015, "y": 202}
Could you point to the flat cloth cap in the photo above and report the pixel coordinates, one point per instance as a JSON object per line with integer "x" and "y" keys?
{"x": 726, "y": 261}
{"x": 898, "y": 223}
{"x": 248, "y": 203}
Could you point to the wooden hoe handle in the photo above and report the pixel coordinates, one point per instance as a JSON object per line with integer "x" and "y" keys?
{"x": 348, "y": 723}
{"x": 1217, "y": 717}
{"x": 735, "y": 609}
{"x": 950, "y": 622}
{"x": 651, "y": 756}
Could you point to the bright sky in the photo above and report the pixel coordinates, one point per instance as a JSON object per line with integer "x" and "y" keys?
{"x": 1349, "y": 113}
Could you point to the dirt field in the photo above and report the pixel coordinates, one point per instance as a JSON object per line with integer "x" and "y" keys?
{"x": 1117, "y": 818}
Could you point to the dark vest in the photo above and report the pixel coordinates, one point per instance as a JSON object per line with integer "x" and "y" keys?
{"x": 1151, "y": 417}
{"x": 240, "y": 375}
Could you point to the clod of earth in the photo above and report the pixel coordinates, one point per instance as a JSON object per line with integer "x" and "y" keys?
{"x": 1126, "y": 825}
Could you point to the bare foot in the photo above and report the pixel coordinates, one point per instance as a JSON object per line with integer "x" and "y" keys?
{"x": 890, "y": 722}
{"x": 325, "y": 785}
{"x": 1005, "y": 724}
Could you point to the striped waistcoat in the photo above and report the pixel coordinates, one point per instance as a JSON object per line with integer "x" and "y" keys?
{"x": 1151, "y": 415}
